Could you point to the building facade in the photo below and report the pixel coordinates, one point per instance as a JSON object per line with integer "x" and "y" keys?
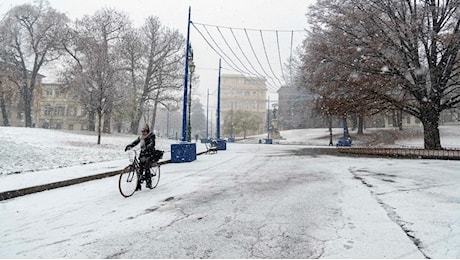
{"x": 246, "y": 94}
{"x": 295, "y": 109}
{"x": 11, "y": 100}
{"x": 59, "y": 108}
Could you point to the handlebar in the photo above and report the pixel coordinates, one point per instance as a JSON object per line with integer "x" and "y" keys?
{"x": 132, "y": 154}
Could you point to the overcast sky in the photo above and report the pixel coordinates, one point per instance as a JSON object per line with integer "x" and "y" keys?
{"x": 267, "y": 16}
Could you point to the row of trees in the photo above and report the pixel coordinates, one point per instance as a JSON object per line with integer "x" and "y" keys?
{"x": 364, "y": 57}
{"x": 114, "y": 68}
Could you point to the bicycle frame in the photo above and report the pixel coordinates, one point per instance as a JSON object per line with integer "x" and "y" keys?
{"x": 135, "y": 161}
{"x": 131, "y": 177}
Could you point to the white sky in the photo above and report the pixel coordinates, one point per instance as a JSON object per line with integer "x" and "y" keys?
{"x": 253, "y": 14}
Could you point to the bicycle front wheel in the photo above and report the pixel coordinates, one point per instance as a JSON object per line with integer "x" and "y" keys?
{"x": 128, "y": 181}
{"x": 155, "y": 174}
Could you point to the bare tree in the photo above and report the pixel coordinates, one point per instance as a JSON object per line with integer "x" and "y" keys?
{"x": 32, "y": 35}
{"x": 97, "y": 63}
{"x": 154, "y": 57}
{"x": 131, "y": 51}
{"x": 405, "y": 53}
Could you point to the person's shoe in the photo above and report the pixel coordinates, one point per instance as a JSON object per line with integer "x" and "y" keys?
{"x": 149, "y": 185}
{"x": 139, "y": 187}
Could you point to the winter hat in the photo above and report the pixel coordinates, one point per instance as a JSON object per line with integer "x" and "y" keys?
{"x": 145, "y": 128}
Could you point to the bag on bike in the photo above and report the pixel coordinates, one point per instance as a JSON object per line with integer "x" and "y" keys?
{"x": 157, "y": 155}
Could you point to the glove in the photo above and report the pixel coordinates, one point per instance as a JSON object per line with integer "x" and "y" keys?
{"x": 127, "y": 147}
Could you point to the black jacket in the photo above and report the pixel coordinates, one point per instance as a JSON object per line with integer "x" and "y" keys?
{"x": 147, "y": 145}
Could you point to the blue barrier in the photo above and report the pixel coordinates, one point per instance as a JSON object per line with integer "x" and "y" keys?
{"x": 183, "y": 152}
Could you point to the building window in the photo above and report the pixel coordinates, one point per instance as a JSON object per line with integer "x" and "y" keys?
{"x": 71, "y": 111}
{"x": 59, "y": 111}
{"x": 48, "y": 110}
{"x": 60, "y": 93}
{"x": 49, "y": 92}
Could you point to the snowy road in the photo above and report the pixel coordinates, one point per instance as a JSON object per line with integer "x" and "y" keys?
{"x": 251, "y": 201}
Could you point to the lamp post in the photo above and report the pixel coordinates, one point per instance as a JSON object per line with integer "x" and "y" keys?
{"x": 185, "y": 151}
{"x": 207, "y": 117}
{"x": 329, "y": 118}
{"x": 191, "y": 66}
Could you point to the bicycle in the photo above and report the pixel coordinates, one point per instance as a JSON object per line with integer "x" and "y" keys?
{"x": 131, "y": 178}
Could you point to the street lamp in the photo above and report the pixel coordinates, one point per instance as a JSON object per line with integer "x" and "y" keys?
{"x": 185, "y": 151}
{"x": 191, "y": 66}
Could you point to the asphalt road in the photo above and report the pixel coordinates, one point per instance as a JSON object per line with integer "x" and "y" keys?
{"x": 247, "y": 203}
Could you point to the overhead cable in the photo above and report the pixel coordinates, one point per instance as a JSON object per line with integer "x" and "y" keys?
{"x": 243, "y": 65}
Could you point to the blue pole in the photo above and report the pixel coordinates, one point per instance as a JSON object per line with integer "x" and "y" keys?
{"x": 218, "y": 104}
{"x": 184, "y": 107}
{"x": 268, "y": 118}
{"x": 207, "y": 115}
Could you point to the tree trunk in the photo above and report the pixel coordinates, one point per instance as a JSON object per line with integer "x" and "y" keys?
{"x": 107, "y": 122}
{"x": 400, "y": 119}
{"x": 360, "y": 124}
{"x": 329, "y": 119}
{"x": 99, "y": 127}
{"x": 25, "y": 98}
{"x": 137, "y": 117}
{"x": 354, "y": 121}
{"x": 430, "y": 121}
{"x": 3, "y": 106}
{"x": 154, "y": 112}
{"x": 29, "y": 99}
{"x": 346, "y": 133}
{"x": 133, "y": 125}
{"x": 91, "y": 121}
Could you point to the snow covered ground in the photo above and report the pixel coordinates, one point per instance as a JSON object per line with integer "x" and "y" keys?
{"x": 35, "y": 149}
{"x": 250, "y": 201}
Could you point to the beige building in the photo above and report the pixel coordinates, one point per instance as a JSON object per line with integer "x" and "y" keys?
{"x": 59, "y": 108}
{"x": 243, "y": 93}
{"x": 11, "y": 101}
{"x": 54, "y": 106}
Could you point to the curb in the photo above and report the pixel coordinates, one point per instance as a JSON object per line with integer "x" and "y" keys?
{"x": 59, "y": 184}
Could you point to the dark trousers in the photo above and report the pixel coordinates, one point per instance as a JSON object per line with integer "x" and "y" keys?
{"x": 144, "y": 164}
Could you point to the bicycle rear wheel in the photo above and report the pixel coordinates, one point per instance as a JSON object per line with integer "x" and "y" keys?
{"x": 128, "y": 181}
{"x": 155, "y": 174}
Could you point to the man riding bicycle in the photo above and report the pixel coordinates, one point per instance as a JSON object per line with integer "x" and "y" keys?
{"x": 147, "y": 144}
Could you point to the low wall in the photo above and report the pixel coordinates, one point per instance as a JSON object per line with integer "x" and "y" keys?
{"x": 446, "y": 154}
